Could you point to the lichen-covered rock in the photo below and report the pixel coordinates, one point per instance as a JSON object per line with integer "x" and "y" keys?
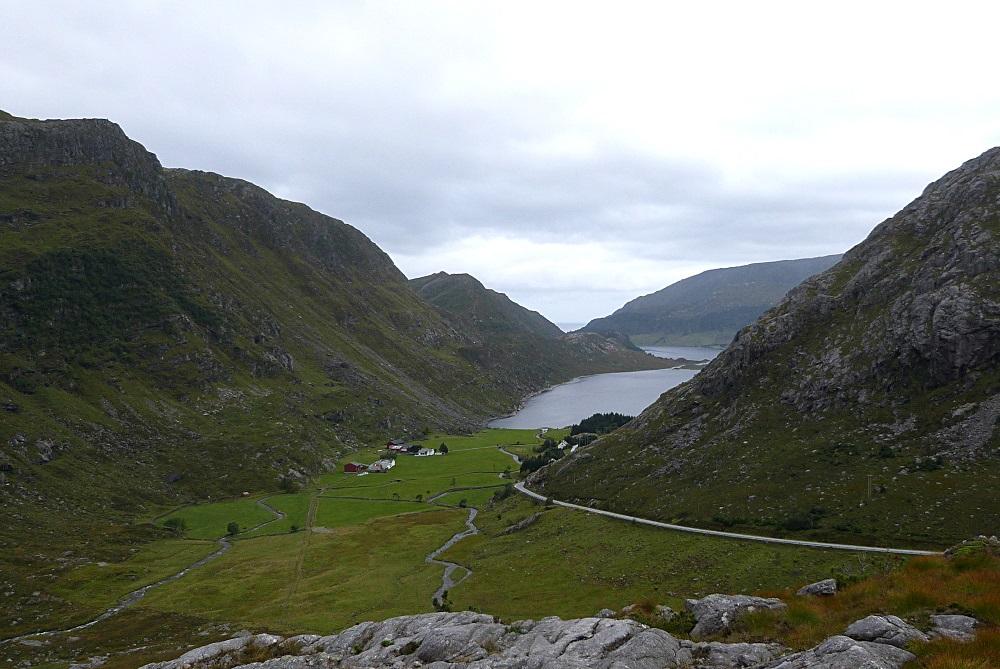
{"x": 957, "y": 627}
{"x": 218, "y": 655}
{"x": 716, "y": 613}
{"x": 841, "y": 652}
{"x": 824, "y": 588}
{"x": 889, "y": 630}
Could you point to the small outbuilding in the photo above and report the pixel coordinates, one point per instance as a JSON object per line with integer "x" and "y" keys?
{"x": 355, "y": 468}
{"x": 381, "y": 466}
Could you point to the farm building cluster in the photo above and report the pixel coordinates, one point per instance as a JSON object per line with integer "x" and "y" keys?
{"x": 395, "y": 447}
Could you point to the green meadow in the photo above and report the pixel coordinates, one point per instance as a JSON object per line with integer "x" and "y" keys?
{"x": 351, "y": 548}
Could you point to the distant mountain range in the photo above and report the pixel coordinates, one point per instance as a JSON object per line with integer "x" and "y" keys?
{"x": 708, "y": 309}
{"x": 864, "y": 406}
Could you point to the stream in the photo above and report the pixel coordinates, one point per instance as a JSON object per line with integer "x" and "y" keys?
{"x": 136, "y": 595}
{"x": 447, "y": 583}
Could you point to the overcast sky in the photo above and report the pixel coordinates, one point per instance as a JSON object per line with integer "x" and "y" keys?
{"x": 573, "y": 155}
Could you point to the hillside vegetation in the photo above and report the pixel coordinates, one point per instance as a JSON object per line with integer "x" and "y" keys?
{"x": 863, "y": 407}
{"x": 169, "y": 335}
{"x": 509, "y": 335}
{"x": 708, "y": 309}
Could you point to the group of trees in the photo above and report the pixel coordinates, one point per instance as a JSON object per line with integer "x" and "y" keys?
{"x": 600, "y": 423}
{"x": 547, "y": 451}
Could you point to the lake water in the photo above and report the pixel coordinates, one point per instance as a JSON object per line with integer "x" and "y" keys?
{"x": 624, "y": 392}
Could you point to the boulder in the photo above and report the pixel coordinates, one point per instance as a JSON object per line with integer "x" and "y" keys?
{"x": 664, "y": 613}
{"x": 959, "y": 628}
{"x": 605, "y": 613}
{"x": 841, "y": 652}
{"x": 716, "y": 613}
{"x": 885, "y": 630}
{"x": 824, "y": 588}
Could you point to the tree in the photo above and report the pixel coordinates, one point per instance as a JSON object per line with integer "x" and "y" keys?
{"x": 176, "y": 525}
{"x": 443, "y": 448}
{"x": 232, "y": 529}
{"x": 463, "y": 503}
{"x": 419, "y": 497}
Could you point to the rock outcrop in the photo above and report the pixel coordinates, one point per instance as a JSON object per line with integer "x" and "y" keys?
{"x": 824, "y": 588}
{"x": 716, "y": 613}
{"x": 841, "y": 652}
{"x": 957, "y": 627}
{"x": 890, "y": 630}
{"x": 467, "y": 640}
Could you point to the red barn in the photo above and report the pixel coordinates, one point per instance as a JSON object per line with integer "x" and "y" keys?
{"x": 354, "y": 468}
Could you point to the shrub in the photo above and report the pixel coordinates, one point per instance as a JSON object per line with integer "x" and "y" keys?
{"x": 176, "y": 525}
{"x": 232, "y": 529}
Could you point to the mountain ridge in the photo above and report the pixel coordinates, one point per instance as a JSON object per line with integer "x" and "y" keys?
{"x": 710, "y": 307}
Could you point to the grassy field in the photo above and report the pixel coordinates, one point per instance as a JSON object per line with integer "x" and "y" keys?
{"x": 319, "y": 582}
{"x": 333, "y": 512}
{"x": 573, "y": 564}
{"x": 98, "y": 585}
{"x": 209, "y": 521}
{"x": 294, "y": 506}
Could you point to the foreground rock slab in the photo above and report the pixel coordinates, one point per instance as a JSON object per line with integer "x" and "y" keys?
{"x": 716, "y": 613}
{"x": 841, "y": 652}
{"x": 885, "y": 630}
{"x": 467, "y": 640}
{"x": 959, "y": 628}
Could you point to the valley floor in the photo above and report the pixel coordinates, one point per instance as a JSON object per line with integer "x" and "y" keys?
{"x": 354, "y": 548}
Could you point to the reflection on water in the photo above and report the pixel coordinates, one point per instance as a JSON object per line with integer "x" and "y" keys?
{"x": 568, "y": 403}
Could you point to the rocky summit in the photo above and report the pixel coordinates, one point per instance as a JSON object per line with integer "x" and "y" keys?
{"x": 865, "y": 404}
{"x": 468, "y": 640}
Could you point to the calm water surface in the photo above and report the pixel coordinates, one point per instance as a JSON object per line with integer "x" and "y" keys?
{"x": 624, "y": 392}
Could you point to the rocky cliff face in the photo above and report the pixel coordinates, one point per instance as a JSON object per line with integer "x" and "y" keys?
{"x": 886, "y": 365}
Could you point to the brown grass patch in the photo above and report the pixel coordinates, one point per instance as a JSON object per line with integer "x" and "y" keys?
{"x": 920, "y": 587}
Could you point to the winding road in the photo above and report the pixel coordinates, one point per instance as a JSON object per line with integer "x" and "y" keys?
{"x": 521, "y": 488}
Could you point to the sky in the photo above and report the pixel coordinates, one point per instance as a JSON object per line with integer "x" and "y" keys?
{"x": 573, "y": 155}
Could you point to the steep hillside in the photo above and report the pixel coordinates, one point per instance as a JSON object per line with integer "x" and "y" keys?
{"x": 169, "y": 335}
{"x": 864, "y": 406}
{"x": 506, "y": 333}
{"x": 487, "y": 309}
{"x": 709, "y": 308}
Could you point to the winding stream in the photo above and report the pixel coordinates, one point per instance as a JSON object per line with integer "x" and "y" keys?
{"x": 131, "y": 598}
{"x": 447, "y": 582}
